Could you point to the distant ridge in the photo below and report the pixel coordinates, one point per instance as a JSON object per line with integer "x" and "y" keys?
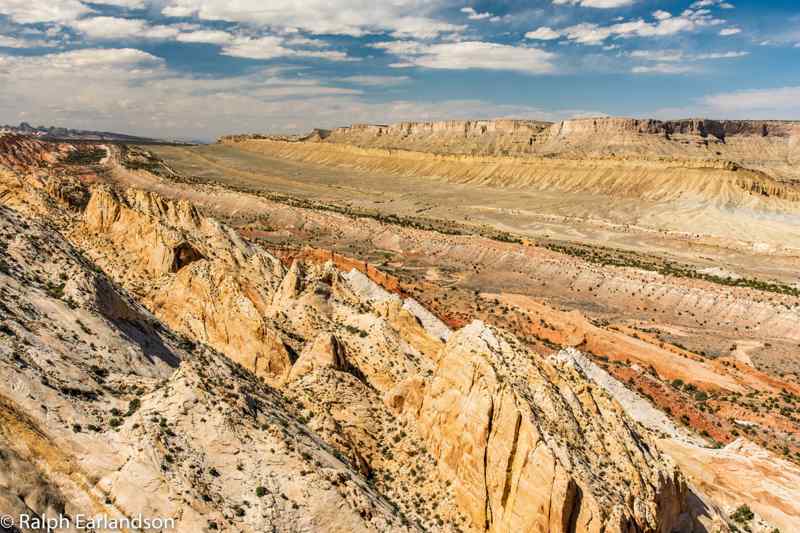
{"x": 69, "y": 134}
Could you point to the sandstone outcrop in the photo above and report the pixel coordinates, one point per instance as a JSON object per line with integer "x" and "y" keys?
{"x": 529, "y": 451}
{"x": 743, "y": 472}
{"x": 325, "y": 351}
{"x": 197, "y": 275}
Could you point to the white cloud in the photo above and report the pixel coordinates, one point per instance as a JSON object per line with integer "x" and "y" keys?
{"x": 662, "y": 68}
{"x": 129, "y": 4}
{"x": 79, "y": 65}
{"x": 422, "y": 28}
{"x": 711, "y": 3}
{"x": 670, "y": 56}
{"x": 262, "y": 48}
{"x": 780, "y": 100}
{"x": 474, "y": 15}
{"x": 543, "y": 33}
{"x": 661, "y": 14}
{"x": 33, "y": 11}
{"x": 305, "y": 41}
{"x": 376, "y": 81}
{"x": 59, "y": 11}
{"x": 233, "y": 45}
{"x": 721, "y": 55}
{"x": 343, "y": 17}
{"x": 470, "y": 55}
{"x": 658, "y": 55}
{"x": 7, "y": 41}
{"x": 270, "y": 47}
{"x": 594, "y": 34}
{"x": 131, "y": 90}
{"x": 115, "y": 28}
{"x": 729, "y": 31}
{"x": 600, "y": 4}
{"x": 205, "y": 36}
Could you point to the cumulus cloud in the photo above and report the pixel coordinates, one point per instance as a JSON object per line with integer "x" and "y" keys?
{"x": 474, "y": 15}
{"x": 470, "y": 55}
{"x": 664, "y": 24}
{"x": 658, "y": 55}
{"x": 543, "y": 33}
{"x": 600, "y": 4}
{"x": 122, "y": 28}
{"x": 233, "y": 44}
{"x": 711, "y": 3}
{"x": 59, "y": 11}
{"x": 721, "y": 55}
{"x": 270, "y": 47}
{"x": 343, "y": 17}
{"x": 729, "y": 31}
{"x": 669, "y": 56}
{"x": 33, "y": 11}
{"x": 133, "y": 91}
{"x": 8, "y": 41}
{"x": 205, "y": 36}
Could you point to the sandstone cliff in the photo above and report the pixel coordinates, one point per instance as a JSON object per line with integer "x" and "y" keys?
{"x": 772, "y": 147}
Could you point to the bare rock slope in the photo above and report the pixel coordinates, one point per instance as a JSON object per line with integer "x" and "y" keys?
{"x": 159, "y": 364}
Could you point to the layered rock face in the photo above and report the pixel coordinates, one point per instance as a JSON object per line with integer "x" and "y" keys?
{"x": 106, "y": 411}
{"x": 716, "y": 129}
{"x": 771, "y": 147}
{"x": 464, "y": 128}
{"x": 25, "y": 153}
{"x": 287, "y": 398}
{"x": 520, "y": 137}
{"x": 750, "y": 164}
{"x": 195, "y": 274}
{"x": 531, "y": 450}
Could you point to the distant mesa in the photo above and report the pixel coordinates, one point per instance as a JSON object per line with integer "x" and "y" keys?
{"x": 768, "y": 146}
{"x": 515, "y": 136}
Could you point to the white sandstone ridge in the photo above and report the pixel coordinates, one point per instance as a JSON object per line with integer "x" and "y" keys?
{"x": 635, "y": 405}
{"x": 374, "y": 293}
{"x": 722, "y": 477}
{"x": 528, "y": 449}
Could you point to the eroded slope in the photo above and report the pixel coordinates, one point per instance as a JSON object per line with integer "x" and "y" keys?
{"x": 276, "y": 404}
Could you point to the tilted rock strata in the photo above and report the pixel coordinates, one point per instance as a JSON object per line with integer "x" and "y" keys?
{"x": 529, "y": 450}
{"x": 491, "y": 436}
{"x": 196, "y": 275}
{"x": 107, "y": 411}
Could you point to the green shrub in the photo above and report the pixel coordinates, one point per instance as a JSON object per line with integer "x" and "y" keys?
{"x": 742, "y": 515}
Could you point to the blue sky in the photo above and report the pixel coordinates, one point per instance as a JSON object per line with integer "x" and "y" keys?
{"x": 201, "y": 68}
